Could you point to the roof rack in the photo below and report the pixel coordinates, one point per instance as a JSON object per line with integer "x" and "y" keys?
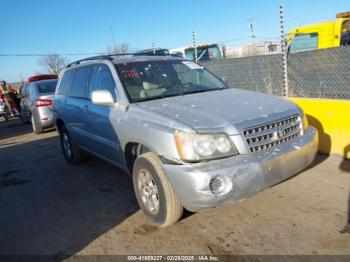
{"x": 110, "y": 57}
{"x": 100, "y": 57}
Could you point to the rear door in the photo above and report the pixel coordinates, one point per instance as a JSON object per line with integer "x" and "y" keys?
{"x": 103, "y": 139}
{"x": 76, "y": 105}
{"x": 61, "y": 110}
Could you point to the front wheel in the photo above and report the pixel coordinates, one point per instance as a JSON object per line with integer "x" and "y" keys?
{"x": 154, "y": 193}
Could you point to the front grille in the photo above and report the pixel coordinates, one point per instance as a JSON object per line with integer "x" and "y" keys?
{"x": 274, "y": 133}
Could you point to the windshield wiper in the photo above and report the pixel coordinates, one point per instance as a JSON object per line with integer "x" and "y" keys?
{"x": 203, "y": 90}
{"x": 153, "y": 98}
{"x": 177, "y": 94}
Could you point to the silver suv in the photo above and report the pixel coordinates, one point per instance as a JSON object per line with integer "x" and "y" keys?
{"x": 187, "y": 139}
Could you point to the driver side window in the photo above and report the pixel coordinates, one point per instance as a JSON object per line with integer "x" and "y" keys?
{"x": 101, "y": 79}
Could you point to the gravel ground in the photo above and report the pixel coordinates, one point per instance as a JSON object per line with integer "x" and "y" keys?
{"x": 49, "y": 207}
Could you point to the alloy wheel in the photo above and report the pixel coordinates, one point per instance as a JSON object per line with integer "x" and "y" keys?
{"x": 148, "y": 191}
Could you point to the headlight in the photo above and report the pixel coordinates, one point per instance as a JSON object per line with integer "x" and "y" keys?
{"x": 194, "y": 147}
{"x": 303, "y": 120}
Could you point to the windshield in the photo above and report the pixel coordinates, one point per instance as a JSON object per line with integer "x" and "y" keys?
{"x": 159, "y": 79}
{"x": 47, "y": 86}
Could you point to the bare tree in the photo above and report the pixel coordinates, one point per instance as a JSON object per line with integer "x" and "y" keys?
{"x": 52, "y": 63}
{"x": 119, "y": 49}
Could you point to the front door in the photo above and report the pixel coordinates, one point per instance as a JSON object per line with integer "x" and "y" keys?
{"x": 103, "y": 139}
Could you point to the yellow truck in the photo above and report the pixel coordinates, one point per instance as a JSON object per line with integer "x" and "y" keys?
{"x": 320, "y": 36}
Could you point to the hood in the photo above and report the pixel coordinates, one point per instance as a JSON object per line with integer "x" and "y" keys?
{"x": 228, "y": 110}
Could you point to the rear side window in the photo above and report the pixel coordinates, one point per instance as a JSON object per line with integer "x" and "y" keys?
{"x": 305, "y": 42}
{"x": 80, "y": 82}
{"x": 66, "y": 82}
{"x": 47, "y": 87}
{"x": 101, "y": 79}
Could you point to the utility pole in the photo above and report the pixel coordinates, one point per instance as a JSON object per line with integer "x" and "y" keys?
{"x": 251, "y": 26}
{"x": 284, "y": 53}
{"x": 154, "y": 48}
{"x": 194, "y": 46}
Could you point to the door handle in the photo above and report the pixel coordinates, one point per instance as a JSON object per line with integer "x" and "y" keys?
{"x": 85, "y": 108}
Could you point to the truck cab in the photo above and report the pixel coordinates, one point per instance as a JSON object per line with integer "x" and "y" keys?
{"x": 321, "y": 36}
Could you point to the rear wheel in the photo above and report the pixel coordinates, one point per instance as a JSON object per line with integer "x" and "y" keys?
{"x": 154, "y": 193}
{"x": 71, "y": 152}
{"x": 24, "y": 117}
{"x": 36, "y": 128}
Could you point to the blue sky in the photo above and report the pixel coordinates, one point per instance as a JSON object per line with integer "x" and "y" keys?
{"x": 83, "y": 26}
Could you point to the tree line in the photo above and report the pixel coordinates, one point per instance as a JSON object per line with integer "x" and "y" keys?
{"x": 54, "y": 63}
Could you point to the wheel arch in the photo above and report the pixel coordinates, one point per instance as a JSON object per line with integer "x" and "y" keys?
{"x": 131, "y": 151}
{"x": 59, "y": 123}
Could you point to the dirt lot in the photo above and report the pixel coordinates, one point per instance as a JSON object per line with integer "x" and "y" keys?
{"x": 49, "y": 207}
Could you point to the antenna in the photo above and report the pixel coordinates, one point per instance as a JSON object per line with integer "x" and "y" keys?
{"x": 115, "y": 47}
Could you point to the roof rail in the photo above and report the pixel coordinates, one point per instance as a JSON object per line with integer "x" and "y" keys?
{"x": 110, "y": 57}
{"x": 100, "y": 57}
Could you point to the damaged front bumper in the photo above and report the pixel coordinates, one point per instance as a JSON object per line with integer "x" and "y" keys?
{"x": 240, "y": 176}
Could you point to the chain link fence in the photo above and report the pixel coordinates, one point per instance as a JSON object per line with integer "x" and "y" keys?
{"x": 314, "y": 74}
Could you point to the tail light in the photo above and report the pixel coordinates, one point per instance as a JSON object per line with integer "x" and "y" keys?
{"x": 43, "y": 102}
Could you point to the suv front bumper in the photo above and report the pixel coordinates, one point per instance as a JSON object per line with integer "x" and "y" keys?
{"x": 243, "y": 175}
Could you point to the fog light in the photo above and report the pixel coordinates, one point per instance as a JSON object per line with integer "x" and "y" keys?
{"x": 217, "y": 185}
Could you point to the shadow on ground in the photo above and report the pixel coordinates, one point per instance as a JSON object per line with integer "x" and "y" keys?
{"x": 49, "y": 207}
{"x": 13, "y": 128}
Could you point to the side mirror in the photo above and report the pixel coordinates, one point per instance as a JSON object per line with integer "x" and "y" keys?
{"x": 102, "y": 98}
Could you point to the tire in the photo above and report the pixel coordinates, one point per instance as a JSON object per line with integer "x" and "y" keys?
{"x": 24, "y": 117}
{"x": 71, "y": 152}
{"x": 147, "y": 173}
{"x": 36, "y": 129}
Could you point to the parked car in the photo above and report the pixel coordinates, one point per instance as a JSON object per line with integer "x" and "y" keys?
{"x": 36, "y": 103}
{"x": 188, "y": 140}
